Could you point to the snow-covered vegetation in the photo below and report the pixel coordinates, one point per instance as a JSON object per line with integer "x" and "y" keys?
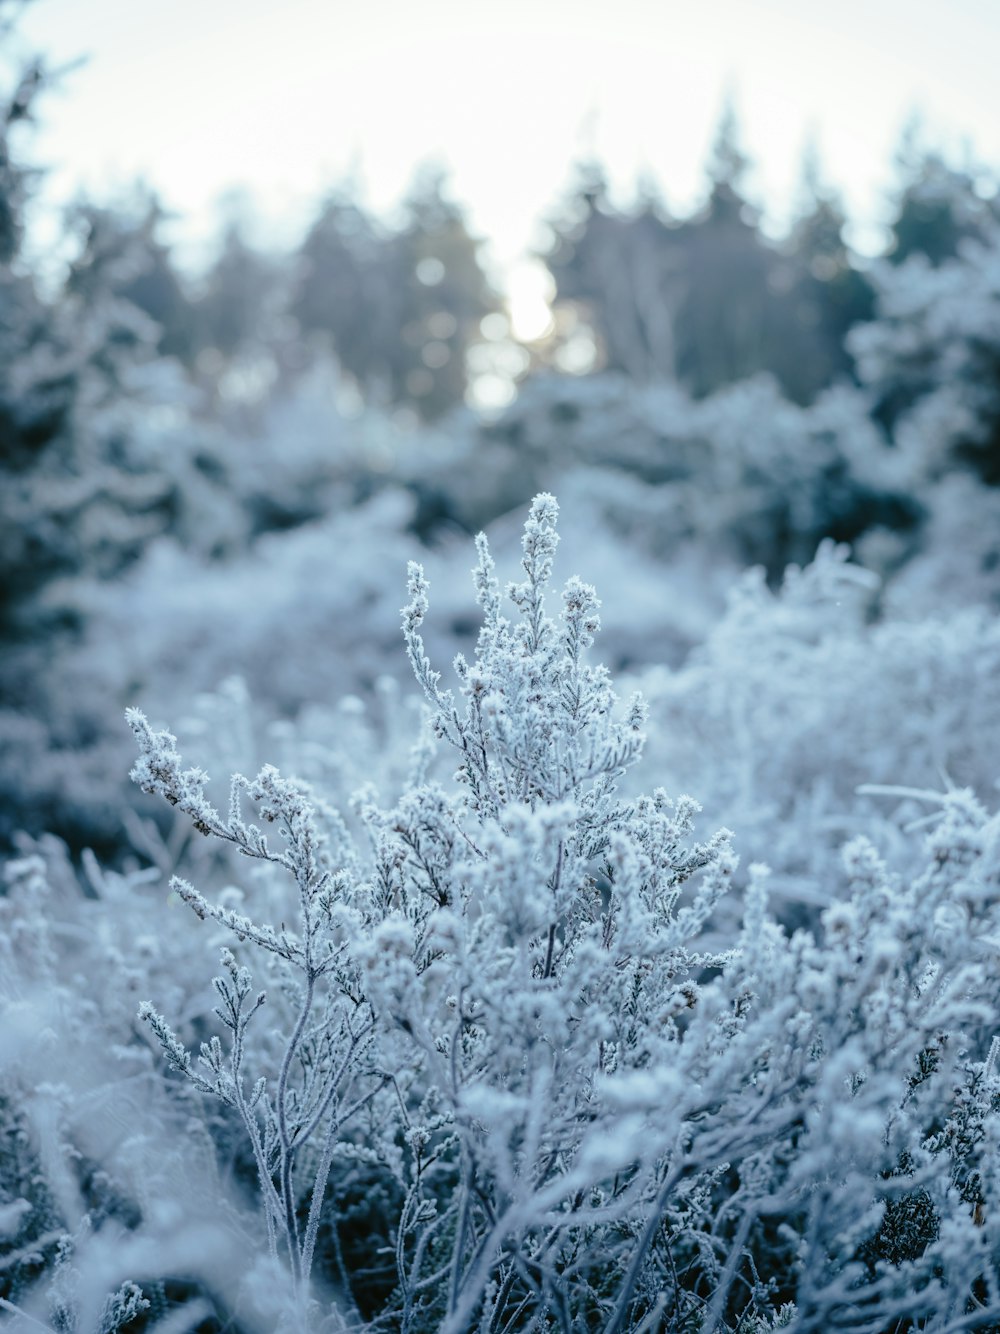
{"x": 560, "y": 961}
{"x": 499, "y": 1052}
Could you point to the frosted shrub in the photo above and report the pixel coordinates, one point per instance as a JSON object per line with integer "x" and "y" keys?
{"x": 931, "y": 358}
{"x": 868, "y": 1050}
{"x": 742, "y": 474}
{"x": 502, "y": 1022}
{"x": 797, "y": 699}
{"x": 454, "y": 1000}
{"x": 97, "y": 1164}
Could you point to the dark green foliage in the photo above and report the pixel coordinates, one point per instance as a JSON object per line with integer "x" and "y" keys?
{"x": 939, "y": 207}
{"x": 909, "y": 1225}
{"x": 356, "y": 1245}
{"x": 829, "y": 294}
{"x": 21, "y": 1177}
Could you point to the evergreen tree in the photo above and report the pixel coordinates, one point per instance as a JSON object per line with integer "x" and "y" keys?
{"x": 729, "y": 314}
{"x": 829, "y": 296}
{"x": 938, "y": 207}
{"x": 400, "y": 308}
{"x": 237, "y": 306}
{"x": 707, "y": 301}
{"x": 75, "y": 492}
{"x": 341, "y": 293}
{"x": 14, "y": 177}
{"x": 122, "y": 253}
{"x": 931, "y": 360}
{"x": 443, "y": 295}
{"x": 619, "y": 269}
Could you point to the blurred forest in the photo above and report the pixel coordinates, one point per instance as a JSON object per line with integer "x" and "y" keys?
{"x": 220, "y": 472}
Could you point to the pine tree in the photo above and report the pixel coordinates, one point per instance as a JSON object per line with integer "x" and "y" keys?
{"x": 829, "y": 295}
{"x": 443, "y": 293}
{"x": 729, "y": 317}
{"x": 619, "y": 271}
{"x": 939, "y": 206}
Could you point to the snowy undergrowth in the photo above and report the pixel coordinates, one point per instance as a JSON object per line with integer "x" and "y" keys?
{"x": 799, "y": 704}
{"x": 479, "y": 1054}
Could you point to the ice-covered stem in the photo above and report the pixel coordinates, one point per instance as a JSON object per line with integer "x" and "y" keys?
{"x": 413, "y": 617}
{"x": 224, "y": 1078}
{"x": 158, "y": 771}
{"x": 289, "y": 805}
{"x": 177, "y": 1055}
{"x": 580, "y": 607}
{"x": 486, "y": 584}
{"x": 325, "y": 1042}
{"x": 539, "y": 548}
{"x": 122, "y": 1307}
{"x": 446, "y": 722}
{"x": 243, "y": 928}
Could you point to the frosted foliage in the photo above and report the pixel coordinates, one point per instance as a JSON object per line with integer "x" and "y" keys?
{"x": 106, "y": 1183}
{"x": 503, "y": 1043}
{"x": 491, "y": 942}
{"x": 931, "y": 360}
{"x": 960, "y": 555}
{"x": 936, "y": 327}
{"x": 743, "y": 473}
{"x": 797, "y": 699}
{"x": 496, "y": 1023}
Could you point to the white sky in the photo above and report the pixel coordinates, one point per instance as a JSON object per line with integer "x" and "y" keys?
{"x": 285, "y": 96}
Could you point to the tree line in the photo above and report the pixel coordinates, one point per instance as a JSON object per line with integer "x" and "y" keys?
{"x": 703, "y": 300}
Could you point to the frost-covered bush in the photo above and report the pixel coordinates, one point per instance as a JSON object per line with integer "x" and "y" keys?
{"x": 113, "y": 1200}
{"x": 931, "y": 363}
{"x": 743, "y": 473}
{"x": 505, "y": 1015}
{"x": 798, "y": 698}
{"x": 957, "y": 564}
{"x": 377, "y": 1028}
{"x": 932, "y": 359}
{"x": 305, "y": 617}
{"x": 276, "y": 613}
